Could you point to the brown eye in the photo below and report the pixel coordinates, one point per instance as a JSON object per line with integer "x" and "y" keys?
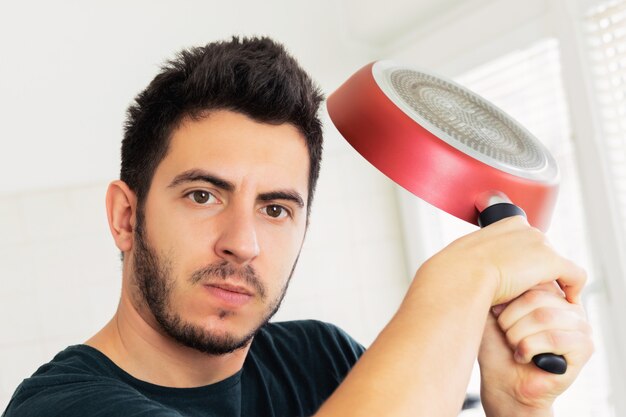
{"x": 200, "y": 197}
{"x": 275, "y": 211}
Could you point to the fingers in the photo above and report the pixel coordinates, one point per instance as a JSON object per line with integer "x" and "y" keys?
{"x": 509, "y": 319}
{"x": 573, "y": 281}
{"x": 549, "y": 287}
{"x": 570, "y": 277}
{"x": 542, "y": 321}
{"x": 542, "y": 296}
{"x": 525, "y": 258}
{"x": 576, "y": 346}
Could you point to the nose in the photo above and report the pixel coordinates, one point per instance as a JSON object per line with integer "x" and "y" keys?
{"x": 237, "y": 242}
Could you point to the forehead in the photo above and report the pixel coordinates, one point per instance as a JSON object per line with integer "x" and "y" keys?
{"x": 239, "y": 148}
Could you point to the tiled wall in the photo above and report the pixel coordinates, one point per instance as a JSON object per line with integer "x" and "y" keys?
{"x": 60, "y": 273}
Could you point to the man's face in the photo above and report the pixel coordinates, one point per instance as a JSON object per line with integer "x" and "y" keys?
{"x": 221, "y": 229}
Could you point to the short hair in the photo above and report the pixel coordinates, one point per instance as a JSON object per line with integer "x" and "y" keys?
{"x": 253, "y": 76}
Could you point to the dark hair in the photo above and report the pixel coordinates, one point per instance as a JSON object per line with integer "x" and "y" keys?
{"x": 253, "y": 76}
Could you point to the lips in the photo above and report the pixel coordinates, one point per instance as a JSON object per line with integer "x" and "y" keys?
{"x": 232, "y": 295}
{"x": 229, "y": 287}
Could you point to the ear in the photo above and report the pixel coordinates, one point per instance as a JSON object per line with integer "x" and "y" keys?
{"x": 121, "y": 204}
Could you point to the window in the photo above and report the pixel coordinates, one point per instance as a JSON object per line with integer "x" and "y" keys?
{"x": 606, "y": 29}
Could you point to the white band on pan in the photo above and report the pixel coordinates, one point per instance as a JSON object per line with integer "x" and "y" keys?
{"x": 538, "y": 165}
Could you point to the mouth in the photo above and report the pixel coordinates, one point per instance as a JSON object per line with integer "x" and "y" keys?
{"x": 231, "y": 295}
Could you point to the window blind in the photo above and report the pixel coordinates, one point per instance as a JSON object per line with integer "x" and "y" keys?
{"x": 606, "y": 38}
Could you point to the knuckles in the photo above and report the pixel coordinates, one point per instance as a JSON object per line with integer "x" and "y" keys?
{"x": 544, "y": 315}
{"x": 576, "y": 344}
{"x": 523, "y": 349}
{"x": 553, "y": 341}
{"x": 556, "y": 340}
{"x": 558, "y": 327}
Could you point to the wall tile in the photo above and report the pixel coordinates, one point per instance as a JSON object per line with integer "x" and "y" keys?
{"x": 62, "y": 312}
{"x": 89, "y": 210}
{"x": 20, "y": 320}
{"x": 46, "y": 215}
{"x": 11, "y": 221}
{"x": 16, "y": 270}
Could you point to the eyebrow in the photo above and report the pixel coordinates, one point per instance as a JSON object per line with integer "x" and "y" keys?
{"x": 194, "y": 175}
{"x": 282, "y": 195}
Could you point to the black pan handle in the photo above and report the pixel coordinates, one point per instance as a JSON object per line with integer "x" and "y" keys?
{"x": 549, "y": 362}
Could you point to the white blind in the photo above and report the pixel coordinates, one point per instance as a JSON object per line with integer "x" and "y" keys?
{"x": 606, "y": 34}
{"x": 527, "y": 84}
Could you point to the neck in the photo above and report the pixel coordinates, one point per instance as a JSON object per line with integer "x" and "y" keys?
{"x": 135, "y": 342}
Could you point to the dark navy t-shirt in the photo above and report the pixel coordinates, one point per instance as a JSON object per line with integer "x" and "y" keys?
{"x": 291, "y": 368}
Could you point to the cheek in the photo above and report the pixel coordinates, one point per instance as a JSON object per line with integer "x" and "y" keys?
{"x": 177, "y": 245}
{"x": 279, "y": 251}
{"x": 182, "y": 237}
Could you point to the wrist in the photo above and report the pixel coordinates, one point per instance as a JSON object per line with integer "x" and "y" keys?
{"x": 519, "y": 413}
{"x": 505, "y": 406}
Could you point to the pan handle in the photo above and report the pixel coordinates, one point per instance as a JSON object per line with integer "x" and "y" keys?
{"x": 549, "y": 362}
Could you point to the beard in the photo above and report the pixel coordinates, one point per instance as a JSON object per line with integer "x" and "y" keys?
{"x": 153, "y": 278}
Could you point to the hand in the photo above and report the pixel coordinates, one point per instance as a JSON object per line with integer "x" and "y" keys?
{"x": 539, "y": 321}
{"x": 424, "y": 356}
{"x": 509, "y": 257}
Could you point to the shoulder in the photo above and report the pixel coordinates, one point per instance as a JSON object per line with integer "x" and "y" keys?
{"x": 312, "y": 338}
{"x": 77, "y": 382}
{"x": 293, "y": 367}
{"x": 309, "y": 330}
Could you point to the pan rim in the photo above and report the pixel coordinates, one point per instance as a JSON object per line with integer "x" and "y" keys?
{"x": 549, "y": 173}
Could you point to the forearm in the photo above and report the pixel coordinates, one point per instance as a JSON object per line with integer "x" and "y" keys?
{"x": 421, "y": 362}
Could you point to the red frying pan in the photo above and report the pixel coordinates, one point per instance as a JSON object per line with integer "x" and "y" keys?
{"x": 450, "y": 147}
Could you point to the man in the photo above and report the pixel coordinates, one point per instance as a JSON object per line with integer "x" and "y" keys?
{"x": 220, "y": 159}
